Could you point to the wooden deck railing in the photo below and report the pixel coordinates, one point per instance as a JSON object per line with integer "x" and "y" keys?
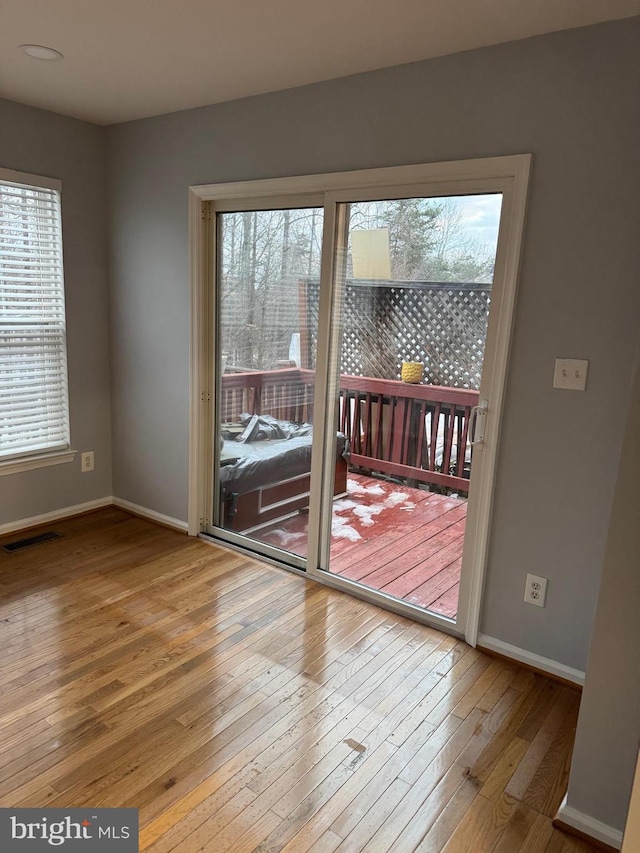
{"x": 419, "y": 432}
{"x": 286, "y": 394}
{"x": 416, "y": 432}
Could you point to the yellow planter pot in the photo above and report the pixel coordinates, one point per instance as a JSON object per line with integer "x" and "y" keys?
{"x": 412, "y": 371}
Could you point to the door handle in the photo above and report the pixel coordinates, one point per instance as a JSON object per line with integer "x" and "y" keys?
{"x": 477, "y": 421}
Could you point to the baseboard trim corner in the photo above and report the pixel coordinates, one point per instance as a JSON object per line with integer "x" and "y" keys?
{"x": 55, "y": 515}
{"x": 559, "y": 671}
{"x": 587, "y": 828}
{"x": 151, "y": 515}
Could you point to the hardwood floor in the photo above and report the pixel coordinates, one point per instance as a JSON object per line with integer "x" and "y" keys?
{"x": 399, "y": 540}
{"x": 242, "y": 708}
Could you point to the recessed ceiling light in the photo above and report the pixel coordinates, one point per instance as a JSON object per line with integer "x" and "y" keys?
{"x": 39, "y": 51}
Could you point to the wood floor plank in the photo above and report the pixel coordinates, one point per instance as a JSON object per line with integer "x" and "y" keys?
{"x": 538, "y": 747}
{"x": 454, "y": 666}
{"x": 327, "y": 843}
{"x": 489, "y": 757}
{"x": 324, "y": 702}
{"x": 556, "y": 844}
{"x": 325, "y": 699}
{"x": 241, "y": 708}
{"x": 517, "y": 830}
{"x": 550, "y": 781}
{"x": 375, "y": 817}
{"x": 504, "y": 769}
{"x": 539, "y": 835}
{"x": 482, "y": 827}
{"x": 478, "y": 690}
{"x": 537, "y": 715}
{"x": 320, "y": 823}
{"x": 438, "y": 835}
{"x": 431, "y": 809}
{"x": 424, "y": 772}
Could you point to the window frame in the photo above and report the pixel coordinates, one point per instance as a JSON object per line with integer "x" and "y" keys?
{"x": 41, "y": 457}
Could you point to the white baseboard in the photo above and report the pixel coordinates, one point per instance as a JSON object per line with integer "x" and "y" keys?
{"x": 589, "y": 825}
{"x": 151, "y": 514}
{"x": 78, "y": 509}
{"x": 56, "y": 515}
{"x": 560, "y": 670}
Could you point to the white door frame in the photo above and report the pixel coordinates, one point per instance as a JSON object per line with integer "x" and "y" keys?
{"x": 508, "y": 175}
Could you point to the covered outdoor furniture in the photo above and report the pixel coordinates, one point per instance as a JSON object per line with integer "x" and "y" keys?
{"x": 263, "y": 478}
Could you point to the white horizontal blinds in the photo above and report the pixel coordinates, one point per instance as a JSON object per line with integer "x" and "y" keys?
{"x": 34, "y": 408}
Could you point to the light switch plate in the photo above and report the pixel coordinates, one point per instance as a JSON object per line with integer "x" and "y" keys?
{"x": 571, "y": 374}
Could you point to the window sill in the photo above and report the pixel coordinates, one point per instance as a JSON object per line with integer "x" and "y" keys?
{"x": 43, "y": 460}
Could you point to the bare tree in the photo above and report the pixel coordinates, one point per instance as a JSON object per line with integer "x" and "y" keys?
{"x": 265, "y": 254}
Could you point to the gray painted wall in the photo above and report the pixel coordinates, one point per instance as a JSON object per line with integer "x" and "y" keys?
{"x": 608, "y": 735}
{"x": 44, "y": 143}
{"x": 569, "y": 98}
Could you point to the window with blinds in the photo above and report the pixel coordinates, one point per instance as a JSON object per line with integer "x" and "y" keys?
{"x": 34, "y": 406}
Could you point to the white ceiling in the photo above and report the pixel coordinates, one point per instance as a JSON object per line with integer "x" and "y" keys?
{"x": 127, "y": 59}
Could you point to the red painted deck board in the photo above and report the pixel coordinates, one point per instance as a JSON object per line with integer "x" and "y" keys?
{"x": 406, "y": 542}
{"x": 425, "y": 542}
{"x": 397, "y": 538}
{"x": 372, "y": 538}
{"x": 449, "y": 549}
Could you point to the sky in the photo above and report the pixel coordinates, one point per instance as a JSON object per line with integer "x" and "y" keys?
{"x": 481, "y": 215}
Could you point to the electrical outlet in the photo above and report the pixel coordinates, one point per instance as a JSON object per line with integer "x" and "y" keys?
{"x": 86, "y": 461}
{"x": 535, "y": 592}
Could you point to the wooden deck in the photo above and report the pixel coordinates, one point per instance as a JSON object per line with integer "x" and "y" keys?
{"x": 402, "y": 541}
{"x": 243, "y": 709}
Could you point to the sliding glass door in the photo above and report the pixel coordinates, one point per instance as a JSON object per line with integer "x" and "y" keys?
{"x": 355, "y": 360}
{"x": 410, "y": 311}
{"x": 268, "y": 267}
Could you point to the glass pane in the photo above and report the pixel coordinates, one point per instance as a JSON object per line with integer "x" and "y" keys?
{"x": 413, "y": 316}
{"x": 268, "y": 278}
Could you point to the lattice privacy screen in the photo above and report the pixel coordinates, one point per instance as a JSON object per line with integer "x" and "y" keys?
{"x": 442, "y": 325}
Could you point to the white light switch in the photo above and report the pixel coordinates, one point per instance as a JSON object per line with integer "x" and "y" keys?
{"x": 571, "y": 373}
